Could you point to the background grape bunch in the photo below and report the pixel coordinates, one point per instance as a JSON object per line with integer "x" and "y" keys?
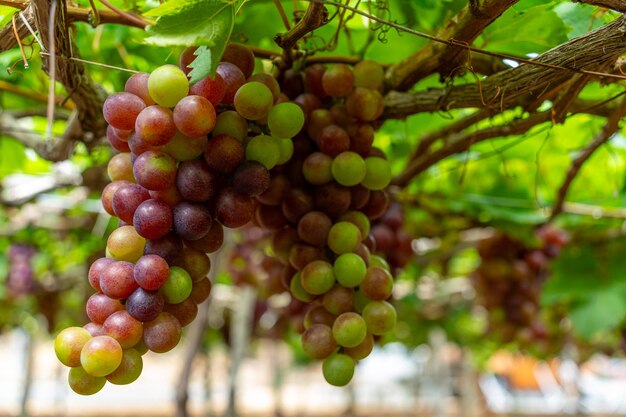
{"x": 293, "y": 155}
{"x": 509, "y": 279}
{"x": 21, "y": 277}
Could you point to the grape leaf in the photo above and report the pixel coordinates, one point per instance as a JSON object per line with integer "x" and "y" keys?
{"x": 193, "y": 22}
{"x": 202, "y": 65}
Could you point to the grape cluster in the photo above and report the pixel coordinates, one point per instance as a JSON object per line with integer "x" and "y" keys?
{"x": 392, "y": 241}
{"x": 192, "y": 160}
{"x": 231, "y": 149}
{"x": 509, "y": 279}
{"x": 21, "y": 278}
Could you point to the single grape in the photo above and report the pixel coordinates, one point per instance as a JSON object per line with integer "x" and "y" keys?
{"x": 378, "y": 173}
{"x": 269, "y": 81}
{"x": 121, "y": 109}
{"x": 318, "y": 120}
{"x": 316, "y": 168}
{"x": 313, "y": 228}
{"x": 100, "y": 306}
{"x": 333, "y": 140}
{"x": 348, "y": 168}
{"x": 313, "y": 79}
{"x": 378, "y": 284}
{"x": 298, "y": 291}
{"x": 185, "y": 148}
{"x": 349, "y": 329}
{"x": 68, "y": 345}
{"x": 124, "y": 328}
{"x": 251, "y": 179}
{"x": 145, "y": 305}
{"x": 233, "y": 79}
{"x": 377, "y": 204}
{"x": 129, "y": 370}
{"x": 137, "y": 84}
{"x": 167, "y": 85}
{"x": 155, "y": 170}
{"x": 108, "y": 192}
{"x": 380, "y": 317}
{"x": 162, "y": 334}
{"x": 231, "y": 123}
{"x": 184, "y": 312}
{"x": 233, "y": 209}
{"x": 116, "y": 141}
{"x": 300, "y": 255}
{"x": 349, "y": 269}
{"x": 168, "y": 247}
{"x": 95, "y": 270}
{"x": 308, "y": 103}
{"x": 155, "y": 125}
{"x": 365, "y": 104}
{"x": 213, "y": 89}
{"x": 240, "y": 56}
{"x": 359, "y": 219}
{"x": 170, "y": 196}
{"x": 195, "y": 262}
{"x": 338, "y": 80}
{"x": 194, "y": 116}
{"x": 210, "y": 242}
{"x": 368, "y": 74}
{"x": 253, "y": 100}
{"x": 285, "y": 120}
{"x": 84, "y": 384}
{"x": 117, "y": 280}
{"x": 332, "y": 198}
{"x": 264, "y": 149}
{"x": 125, "y": 244}
{"x": 126, "y": 200}
{"x": 361, "y": 138}
{"x": 318, "y": 315}
{"x": 317, "y": 277}
{"x": 285, "y": 147}
{"x": 150, "y": 272}
{"x": 223, "y": 153}
{"x": 339, "y": 300}
{"x": 120, "y": 168}
{"x": 200, "y": 291}
{"x": 191, "y": 221}
{"x": 195, "y": 181}
{"x": 177, "y": 287}
{"x": 338, "y": 369}
{"x": 318, "y": 342}
{"x": 344, "y": 237}
{"x": 362, "y": 350}
{"x": 101, "y": 355}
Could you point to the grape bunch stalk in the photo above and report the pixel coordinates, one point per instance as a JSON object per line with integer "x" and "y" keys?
{"x": 231, "y": 149}
{"x": 509, "y": 279}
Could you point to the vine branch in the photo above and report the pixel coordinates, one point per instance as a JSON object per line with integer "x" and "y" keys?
{"x": 607, "y": 132}
{"x": 316, "y": 15}
{"x": 618, "y": 5}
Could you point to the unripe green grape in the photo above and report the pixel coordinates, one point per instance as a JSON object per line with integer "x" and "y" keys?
{"x": 380, "y": 317}
{"x": 298, "y": 291}
{"x": 349, "y": 269}
{"x": 167, "y": 85}
{"x": 285, "y": 120}
{"x": 84, "y": 384}
{"x": 178, "y": 286}
{"x": 263, "y": 149}
{"x": 285, "y": 147}
{"x": 129, "y": 370}
{"x": 359, "y": 219}
{"x": 349, "y": 329}
{"x": 317, "y": 277}
{"x": 185, "y": 148}
{"x": 377, "y": 173}
{"x": 232, "y": 124}
{"x": 344, "y": 237}
{"x": 253, "y": 100}
{"x": 68, "y": 344}
{"x": 338, "y": 369}
{"x": 348, "y": 168}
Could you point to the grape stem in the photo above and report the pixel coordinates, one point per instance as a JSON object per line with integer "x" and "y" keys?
{"x": 316, "y": 15}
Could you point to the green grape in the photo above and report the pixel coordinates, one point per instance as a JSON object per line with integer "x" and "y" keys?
{"x": 285, "y": 120}
{"x": 185, "y": 148}
{"x": 344, "y": 237}
{"x": 377, "y": 173}
{"x": 253, "y": 100}
{"x": 348, "y": 168}
{"x": 349, "y": 329}
{"x": 263, "y": 149}
{"x": 285, "y": 147}
{"x": 368, "y": 74}
{"x": 84, "y": 384}
{"x": 380, "y": 317}
{"x": 167, "y": 85}
{"x": 125, "y": 244}
{"x": 317, "y": 277}
{"x": 338, "y": 369}
{"x": 349, "y": 269}
{"x": 68, "y": 344}
{"x": 298, "y": 291}
{"x": 178, "y": 286}
{"x": 232, "y": 124}
{"x": 359, "y": 219}
{"x": 129, "y": 370}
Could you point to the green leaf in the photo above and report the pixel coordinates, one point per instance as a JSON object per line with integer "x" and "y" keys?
{"x": 604, "y": 311}
{"x": 194, "y": 22}
{"x": 203, "y": 65}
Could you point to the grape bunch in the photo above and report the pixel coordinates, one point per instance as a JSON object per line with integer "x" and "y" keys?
{"x": 509, "y": 279}
{"x": 392, "y": 241}
{"x": 192, "y": 159}
{"x": 21, "y": 278}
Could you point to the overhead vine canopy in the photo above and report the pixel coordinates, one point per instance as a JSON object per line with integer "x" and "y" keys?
{"x": 503, "y": 112}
